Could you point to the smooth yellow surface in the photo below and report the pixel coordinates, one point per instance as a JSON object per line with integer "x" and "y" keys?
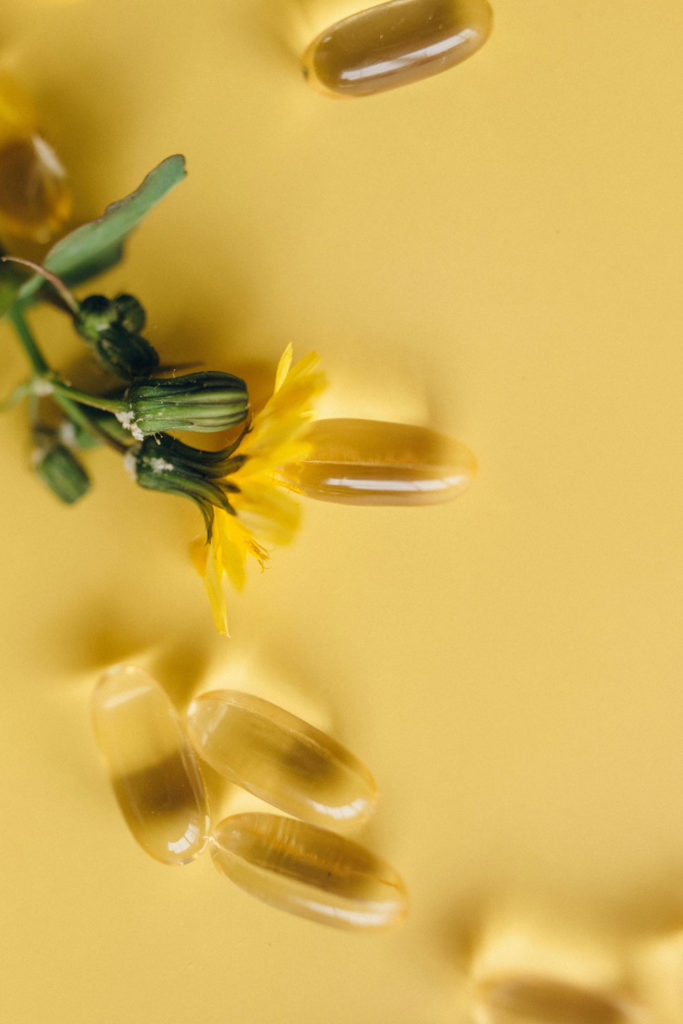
{"x": 495, "y": 252}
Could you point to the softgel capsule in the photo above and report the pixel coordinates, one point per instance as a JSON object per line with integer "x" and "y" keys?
{"x": 373, "y": 462}
{"x": 309, "y": 871}
{"x": 394, "y": 44}
{"x": 152, "y": 767}
{"x": 281, "y": 758}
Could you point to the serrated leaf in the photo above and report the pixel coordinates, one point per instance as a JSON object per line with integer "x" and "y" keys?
{"x": 97, "y": 246}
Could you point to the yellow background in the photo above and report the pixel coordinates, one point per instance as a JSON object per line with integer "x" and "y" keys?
{"x": 495, "y": 252}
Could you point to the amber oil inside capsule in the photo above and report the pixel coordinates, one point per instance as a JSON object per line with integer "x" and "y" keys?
{"x": 153, "y": 770}
{"x": 526, "y": 999}
{"x": 371, "y": 462}
{"x": 394, "y": 44}
{"x": 35, "y": 200}
{"x": 309, "y": 871}
{"x": 280, "y": 758}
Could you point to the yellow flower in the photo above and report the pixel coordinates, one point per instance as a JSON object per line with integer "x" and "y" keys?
{"x": 265, "y": 512}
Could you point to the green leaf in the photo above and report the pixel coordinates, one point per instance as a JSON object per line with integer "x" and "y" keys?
{"x": 97, "y": 246}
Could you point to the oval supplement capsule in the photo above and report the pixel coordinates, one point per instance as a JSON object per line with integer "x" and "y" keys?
{"x": 152, "y": 766}
{"x": 370, "y": 462}
{"x": 35, "y": 199}
{"x": 395, "y": 44}
{"x": 280, "y": 758}
{"x": 309, "y": 871}
{"x": 536, "y": 1000}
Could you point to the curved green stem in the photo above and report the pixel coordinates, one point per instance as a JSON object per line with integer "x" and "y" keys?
{"x": 56, "y": 282}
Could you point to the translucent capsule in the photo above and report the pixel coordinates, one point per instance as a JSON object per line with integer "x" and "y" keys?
{"x": 395, "y": 44}
{"x": 35, "y": 200}
{"x": 528, "y": 999}
{"x": 280, "y": 758}
{"x": 153, "y": 769}
{"x": 369, "y": 462}
{"x": 309, "y": 871}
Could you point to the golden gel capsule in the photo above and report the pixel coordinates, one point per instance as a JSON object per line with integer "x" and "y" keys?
{"x": 35, "y": 200}
{"x": 395, "y": 44}
{"x": 526, "y": 999}
{"x": 309, "y": 871}
{"x": 369, "y": 462}
{"x": 280, "y": 758}
{"x": 153, "y": 769}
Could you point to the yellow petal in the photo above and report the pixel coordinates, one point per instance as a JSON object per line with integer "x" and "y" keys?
{"x": 283, "y": 367}
{"x": 206, "y": 559}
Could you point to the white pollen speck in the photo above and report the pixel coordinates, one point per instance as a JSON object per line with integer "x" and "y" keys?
{"x": 67, "y": 433}
{"x": 127, "y": 419}
{"x": 160, "y": 465}
{"x": 129, "y": 465}
{"x": 42, "y": 387}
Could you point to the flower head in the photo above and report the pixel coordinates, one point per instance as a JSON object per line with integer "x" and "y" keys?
{"x": 206, "y": 402}
{"x": 261, "y": 510}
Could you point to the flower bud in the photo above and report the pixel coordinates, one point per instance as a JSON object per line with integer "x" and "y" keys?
{"x": 206, "y": 402}
{"x": 130, "y": 312}
{"x": 96, "y": 313}
{"x": 125, "y": 354}
{"x": 162, "y": 463}
{"x": 110, "y": 328}
{"x": 59, "y": 468}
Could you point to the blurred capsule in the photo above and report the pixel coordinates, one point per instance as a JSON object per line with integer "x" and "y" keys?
{"x": 529, "y": 999}
{"x": 395, "y": 44}
{"x": 280, "y": 758}
{"x": 309, "y": 871}
{"x": 35, "y": 200}
{"x": 153, "y": 769}
{"x": 369, "y": 462}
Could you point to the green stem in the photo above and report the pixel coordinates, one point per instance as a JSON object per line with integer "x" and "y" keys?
{"x": 63, "y": 395}
{"x": 29, "y": 343}
{"x": 83, "y": 398}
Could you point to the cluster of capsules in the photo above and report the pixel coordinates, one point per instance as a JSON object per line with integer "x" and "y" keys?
{"x": 301, "y": 864}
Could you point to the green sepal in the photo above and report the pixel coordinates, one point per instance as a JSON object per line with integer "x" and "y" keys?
{"x": 206, "y": 402}
{"x": 213, "y": 465}
{"x": 164, "y": 464}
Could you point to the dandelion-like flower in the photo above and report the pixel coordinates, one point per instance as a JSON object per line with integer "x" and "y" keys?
{"x": 245, "y": 501}
{"x": 263, "y": 511}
